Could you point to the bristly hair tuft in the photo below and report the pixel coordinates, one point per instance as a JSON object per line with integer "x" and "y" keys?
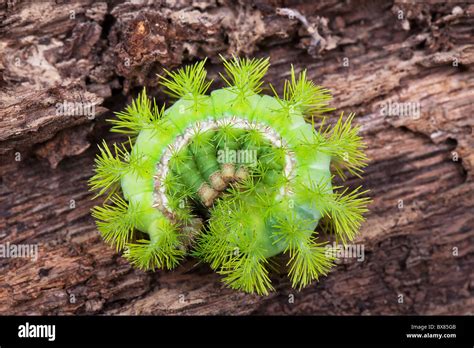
{"x": 111, "y": 167}
{"x": 245, "y": 75}
{"x": 344, "y": 211}
{"x": 141, "y": 114}
{"x": 188, "y": 82}
{"x": 301, "y": 94}
{"x": 308, "y": 259}
{"x": 163, "y": 250}
{"x": 116, "y": 221}
{"x": 345, "y": 145}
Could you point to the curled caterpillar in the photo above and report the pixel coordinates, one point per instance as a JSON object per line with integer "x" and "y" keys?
{"x": 233, "y": 178}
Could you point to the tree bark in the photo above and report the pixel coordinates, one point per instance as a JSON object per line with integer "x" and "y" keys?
{"x": 375, "y": 56}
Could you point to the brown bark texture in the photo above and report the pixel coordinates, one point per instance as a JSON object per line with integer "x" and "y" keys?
{"x": 375, "y": 56}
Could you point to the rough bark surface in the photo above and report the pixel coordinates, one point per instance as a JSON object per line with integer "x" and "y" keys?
{"x": 419, "y": 234}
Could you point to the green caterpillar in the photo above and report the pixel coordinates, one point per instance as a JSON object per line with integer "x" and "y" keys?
{"x": 232, "y": 178}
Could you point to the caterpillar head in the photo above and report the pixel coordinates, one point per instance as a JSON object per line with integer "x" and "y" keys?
{"x": 233, "y": 178}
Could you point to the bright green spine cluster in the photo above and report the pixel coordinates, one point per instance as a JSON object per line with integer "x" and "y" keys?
{"x": 233, "y": 178}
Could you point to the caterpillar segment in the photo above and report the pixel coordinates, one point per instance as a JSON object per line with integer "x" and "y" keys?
{"x": 252, "y": 162}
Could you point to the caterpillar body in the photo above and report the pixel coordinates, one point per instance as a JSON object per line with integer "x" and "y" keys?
{"x": 233, "y": 178}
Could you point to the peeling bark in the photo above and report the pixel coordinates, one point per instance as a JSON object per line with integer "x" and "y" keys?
{"x": 418, "y": 236}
